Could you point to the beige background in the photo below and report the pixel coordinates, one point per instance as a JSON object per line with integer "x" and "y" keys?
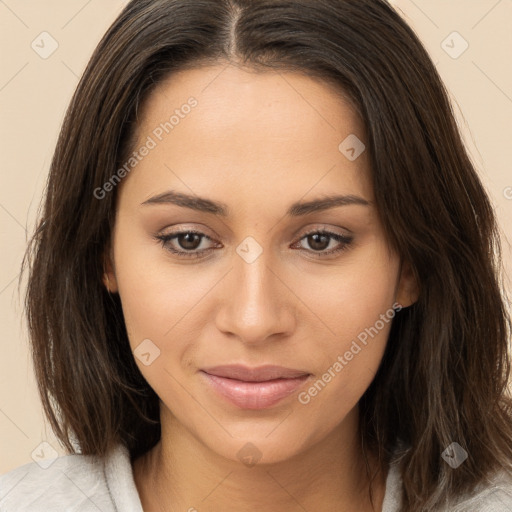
{"x": 34, "y": 93}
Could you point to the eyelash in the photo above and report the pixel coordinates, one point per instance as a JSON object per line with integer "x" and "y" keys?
{"x": 165, "y": 239}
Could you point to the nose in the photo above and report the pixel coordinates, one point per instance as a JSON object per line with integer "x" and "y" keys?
{"x": 256, "y": 303}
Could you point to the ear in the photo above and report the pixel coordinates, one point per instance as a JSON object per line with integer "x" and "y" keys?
{"x": 109, "y": 274}
{"x": 408, "y": 289}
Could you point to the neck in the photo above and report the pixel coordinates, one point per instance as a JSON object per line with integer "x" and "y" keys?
{"x": 182, "y": 473}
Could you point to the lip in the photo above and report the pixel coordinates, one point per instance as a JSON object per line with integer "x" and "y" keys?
{"x": 254, "y": 388}
{"x": 256, "y": 374}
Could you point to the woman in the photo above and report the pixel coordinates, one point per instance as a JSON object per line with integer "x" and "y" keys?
{"x": 266, "y": 276}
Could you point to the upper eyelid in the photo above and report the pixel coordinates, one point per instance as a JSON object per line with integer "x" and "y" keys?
{"x": 315, "y": 229}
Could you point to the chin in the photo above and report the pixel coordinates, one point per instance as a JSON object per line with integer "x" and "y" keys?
{"x": 269, "y": 443}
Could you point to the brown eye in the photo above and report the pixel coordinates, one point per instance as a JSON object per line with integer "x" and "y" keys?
{"x": 319, "y": 241}
{"x": 185, "y": 243}
{"x": 188, "y": 241}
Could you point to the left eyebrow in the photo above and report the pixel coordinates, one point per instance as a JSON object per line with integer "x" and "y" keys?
{"x": 326, "y": 203}
{"x": 297, "y": 209}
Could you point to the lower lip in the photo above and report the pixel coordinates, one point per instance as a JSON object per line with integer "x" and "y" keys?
{"x": 254, "y": 395}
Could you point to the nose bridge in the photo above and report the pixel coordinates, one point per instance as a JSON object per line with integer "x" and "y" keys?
{"x": 255, "y": 306}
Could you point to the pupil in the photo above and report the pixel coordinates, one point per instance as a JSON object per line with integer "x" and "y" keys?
{"x": 189, "y": 239}
{"x": 315, "y": 238}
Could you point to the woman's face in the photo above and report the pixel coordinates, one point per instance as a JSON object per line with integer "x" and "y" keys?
{"x": 254, "y": 156}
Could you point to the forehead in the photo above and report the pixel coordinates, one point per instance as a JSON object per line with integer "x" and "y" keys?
{"x": 273, "y": 99}
{"x": 252, "y": 129}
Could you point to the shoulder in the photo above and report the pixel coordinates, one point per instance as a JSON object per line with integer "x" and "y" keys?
{"x": 68, "y": 483}
{"x": 494, "y": 495}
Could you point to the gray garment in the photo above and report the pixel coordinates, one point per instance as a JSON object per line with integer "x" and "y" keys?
{"x": 80, "y": 483}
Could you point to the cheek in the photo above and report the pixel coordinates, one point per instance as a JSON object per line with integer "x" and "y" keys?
{"x": 155, "y": 294}
{"x": 151, "y": 305}
{"x": 348, "y": 365}
{"x": 159, "y": 314}
{"x": 355, "y": 314}
{"x": 350, "y": 297}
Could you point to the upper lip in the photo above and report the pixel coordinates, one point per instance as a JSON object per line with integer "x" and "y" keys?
{"x": 256, "y": 374}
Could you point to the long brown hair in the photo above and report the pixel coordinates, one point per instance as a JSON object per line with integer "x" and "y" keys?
{"x": 445, "y": 371}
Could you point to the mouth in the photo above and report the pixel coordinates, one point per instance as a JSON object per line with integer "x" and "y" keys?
{"x": 254, "y": 388}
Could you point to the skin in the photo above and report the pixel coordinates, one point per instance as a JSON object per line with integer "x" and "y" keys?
{"x": 256, "y": 142}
